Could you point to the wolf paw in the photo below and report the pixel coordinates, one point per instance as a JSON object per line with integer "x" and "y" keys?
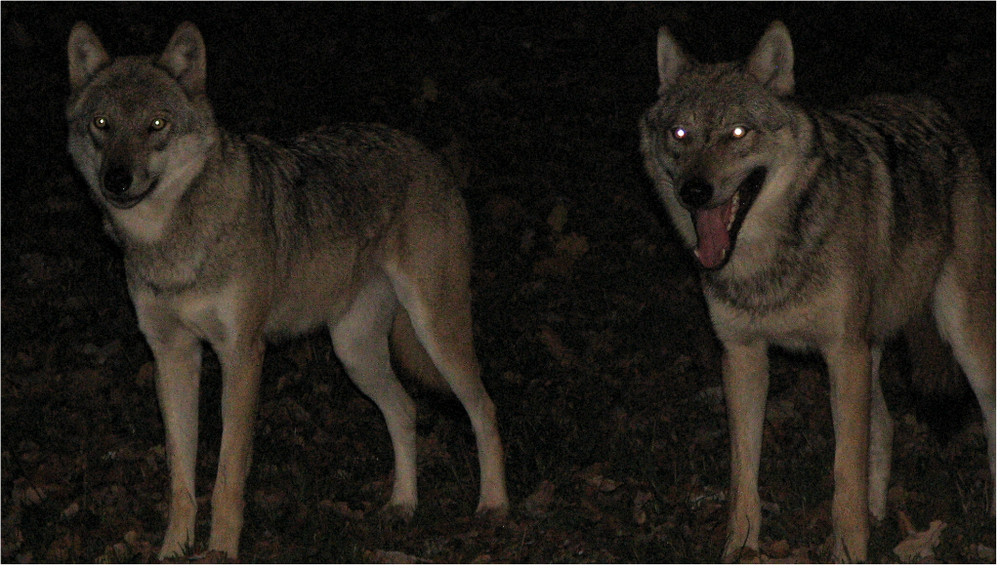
{"x": 493, "y": 513}
{"x": 742, "y": 555}
{"x": 397, "y": 513}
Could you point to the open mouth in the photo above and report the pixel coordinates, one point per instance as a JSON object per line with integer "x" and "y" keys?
{"x": 718, "y": 227}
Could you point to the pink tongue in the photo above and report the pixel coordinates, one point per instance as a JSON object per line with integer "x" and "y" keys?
{"x": 713, "y": 237}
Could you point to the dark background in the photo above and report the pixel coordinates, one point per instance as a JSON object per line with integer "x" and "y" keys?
{"x": 590, "y": 325}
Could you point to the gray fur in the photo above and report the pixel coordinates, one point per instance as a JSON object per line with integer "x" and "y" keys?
{"x": 865, "y": 217}
{"x": 233, "y": 239}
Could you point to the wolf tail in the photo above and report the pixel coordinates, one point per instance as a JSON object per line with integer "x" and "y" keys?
{"x": 411, "y": 356}
{"x": 936, "y": 381}
{"x": 934, "y": 373}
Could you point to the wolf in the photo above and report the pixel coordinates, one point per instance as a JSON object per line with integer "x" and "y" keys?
{"x": 821, "y": 230}
{"x": 233, "y": 240}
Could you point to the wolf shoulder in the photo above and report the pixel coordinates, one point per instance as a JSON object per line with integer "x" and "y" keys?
{"x": 916, "y": 121}
{"x": 351, "y": 176}
{"x": 341, "y": 156}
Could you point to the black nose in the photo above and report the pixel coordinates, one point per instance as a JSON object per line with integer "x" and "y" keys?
{"x": 696, "y": 192}
{"x": 117, "y": 181}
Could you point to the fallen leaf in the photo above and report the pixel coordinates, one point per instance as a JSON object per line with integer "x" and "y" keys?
{"x": 381, "y": 556}
{"x": 554, "y": 343}
{"x": 920, "y": 545}
{"x": 795, "y": 556}
{"x": 71, "y": 510}
{"x": 640, "y": 499}
{"x": 777, "y": 549}
{"x": 557, "y": 217}
{"x": 572, "y": 245}
{"x": 537, "y": 505}
{"x": 343, "y": 509}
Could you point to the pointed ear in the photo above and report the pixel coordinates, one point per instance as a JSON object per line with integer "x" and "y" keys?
{"x": 772, "y": 60}
{"x": 671, "y": 59}
{"x": 86, "y": 55}
{"x": 184, "y": 58}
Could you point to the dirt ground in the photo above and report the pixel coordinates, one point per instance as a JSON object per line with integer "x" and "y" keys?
{"x": 592, "y": 333}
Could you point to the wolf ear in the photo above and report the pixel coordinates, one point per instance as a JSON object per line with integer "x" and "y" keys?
{"x": 772, "y": 60}
{"x": 184, "y": 58}
{"x": 671, "y": 60}
{"x": 86, "y": 55}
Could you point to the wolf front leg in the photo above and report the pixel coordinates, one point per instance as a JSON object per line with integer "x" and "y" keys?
{"x": 241, "y": 361}
{"x": 849, "y": 365}
{"x": 178, "y": 368}
{"x": 745, "y": 380}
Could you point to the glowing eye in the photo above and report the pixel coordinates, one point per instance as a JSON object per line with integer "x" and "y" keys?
{"x": 157, "y": 124}
{"x": 740, "y": 132}
{"x": 100, "y": 123}
{"x": 679, "y": 132}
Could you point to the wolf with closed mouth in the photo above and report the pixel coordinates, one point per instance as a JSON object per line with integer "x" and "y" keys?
{"x": 821, "y": 230}
{"x": 234, "y": 239}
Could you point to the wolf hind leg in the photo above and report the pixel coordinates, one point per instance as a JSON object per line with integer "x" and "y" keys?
{"x": 880, "y": 443}
{"x": 437, "y": 299}
{"x": 965, "y": 320}
{"x": 361, "y": 342}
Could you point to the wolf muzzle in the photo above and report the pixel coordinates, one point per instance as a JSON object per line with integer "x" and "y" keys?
{"x": 117, "y": 181}
{"x": 695, "y": 193}
{"x": 117, "y": 187}
{"x": 718, "y": 225}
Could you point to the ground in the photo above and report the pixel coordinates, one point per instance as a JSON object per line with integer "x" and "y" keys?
{"x": 593, "y": 337}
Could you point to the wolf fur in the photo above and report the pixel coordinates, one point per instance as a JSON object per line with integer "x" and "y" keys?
{"x": 826, "y": 231}
{"x": 230, "y": 240}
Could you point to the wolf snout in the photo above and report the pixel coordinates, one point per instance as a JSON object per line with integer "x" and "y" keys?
{"x": 117, "y": 181}
{"x": 695, "y": 193}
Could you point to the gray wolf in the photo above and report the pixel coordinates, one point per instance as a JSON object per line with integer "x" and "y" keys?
{"x": 232, "y": 240}
{"x": 826, "y": 231}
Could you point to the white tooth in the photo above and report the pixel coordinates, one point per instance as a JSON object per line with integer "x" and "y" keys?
{"x": 732, "y": 214}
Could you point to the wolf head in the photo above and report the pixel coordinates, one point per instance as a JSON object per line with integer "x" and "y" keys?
{"x": 139, "y": 127}
{"x": 713, "y": 138}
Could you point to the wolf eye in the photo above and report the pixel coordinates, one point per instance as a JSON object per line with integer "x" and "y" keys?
{"x": 101, "y": 123}
{"x": 679, "y": 132}
{"x": 157, "y": 124}
{"x": 739, "y": 132}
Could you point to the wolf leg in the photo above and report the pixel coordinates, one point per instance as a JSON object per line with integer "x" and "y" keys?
{"x": 965, "y": 322}
{"x": 177, "y": 353}
{"x": 439, "y": 307}
{"x": 178, "y": 371}
{"x": 880, "y": 445}
{"x": 241, "y": 361}
{"x": 745, "y": 380}
{"x": 361, "y": 341}
{"x": 849, "y": 365}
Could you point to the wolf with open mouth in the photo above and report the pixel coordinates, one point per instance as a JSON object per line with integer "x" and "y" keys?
{"x": 822, "y": 230}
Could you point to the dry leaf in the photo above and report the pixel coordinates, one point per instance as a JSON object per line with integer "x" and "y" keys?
{"x": 640, "y": 499}
{"x": 380, "y": 556}
{"x": 557, "y": 217}
{"x": 920, "y": 545}
{"x": 537, "y": 505}
{"x": 553, "y": 342}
